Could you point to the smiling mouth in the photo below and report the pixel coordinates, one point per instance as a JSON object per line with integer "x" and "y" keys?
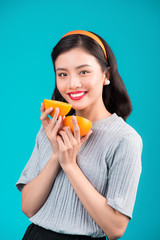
{"x": 77, "y": 96}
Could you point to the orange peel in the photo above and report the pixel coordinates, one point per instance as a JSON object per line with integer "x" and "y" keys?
{"x": 83, "y": 123}
{"x": 64, "y": 108}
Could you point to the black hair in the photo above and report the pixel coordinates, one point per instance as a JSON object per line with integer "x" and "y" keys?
{"x": 115, "y": 96}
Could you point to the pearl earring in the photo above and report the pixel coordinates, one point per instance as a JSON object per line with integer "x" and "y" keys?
{"x": 107, "y": 82}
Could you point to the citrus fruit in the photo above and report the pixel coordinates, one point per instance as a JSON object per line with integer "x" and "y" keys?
{"x": 83, "y": 123}
{"x": 64, "y": 108}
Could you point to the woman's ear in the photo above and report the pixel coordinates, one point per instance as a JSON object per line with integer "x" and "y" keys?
{"x": 108, "y": 73}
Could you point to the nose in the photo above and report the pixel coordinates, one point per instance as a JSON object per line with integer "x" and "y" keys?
{"x": 75, "y": 82}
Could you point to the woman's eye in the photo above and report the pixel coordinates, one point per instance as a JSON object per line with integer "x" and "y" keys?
{"x": 62, "y": 74}
{"x": 83, "y": 72}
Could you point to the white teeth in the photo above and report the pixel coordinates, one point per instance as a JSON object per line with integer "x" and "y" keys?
{"x": 77, "y": 95}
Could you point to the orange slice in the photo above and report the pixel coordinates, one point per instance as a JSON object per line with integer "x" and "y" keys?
{"x": 64, "y": 108}
{"x": 83, "y": 123}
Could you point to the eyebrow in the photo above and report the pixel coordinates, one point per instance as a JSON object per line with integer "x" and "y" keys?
{"x": 84, "y": 65}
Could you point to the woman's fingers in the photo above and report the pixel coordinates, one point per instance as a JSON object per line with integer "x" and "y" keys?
{"x": 70, "y": 136}
{"x": 42, "y": 107}
{"x": 53, "y": 122}
{"x": 54, "y": 118}
{"x": 45, "y": 113}
{"x": 76, "y": 128}
{"x": 59, "y": 124}
{"x": 65, "y": 138}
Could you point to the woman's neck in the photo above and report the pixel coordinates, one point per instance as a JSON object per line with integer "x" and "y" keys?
{"x": 93, "y": 114}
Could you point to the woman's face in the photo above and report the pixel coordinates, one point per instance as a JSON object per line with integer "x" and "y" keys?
{"x": 79, "y": 71}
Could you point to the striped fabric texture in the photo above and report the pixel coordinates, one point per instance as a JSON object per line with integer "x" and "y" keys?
{"x": 111, "y": 161}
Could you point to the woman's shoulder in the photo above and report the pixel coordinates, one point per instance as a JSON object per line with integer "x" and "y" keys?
{"x": 113, "y": 131}
{"x": 116, "y": 128}
{"x": 125, "y": 130}
{"x": 124, "y": 137}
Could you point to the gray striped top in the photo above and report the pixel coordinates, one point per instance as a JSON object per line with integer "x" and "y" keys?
{"x": 110, "y": 159}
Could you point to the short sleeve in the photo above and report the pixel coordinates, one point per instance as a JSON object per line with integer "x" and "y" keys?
{"x": 124, "y": 174}
{"x": 32, "y": 168}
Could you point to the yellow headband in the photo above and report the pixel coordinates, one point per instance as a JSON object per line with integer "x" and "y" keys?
{"x": 89, "y": 35}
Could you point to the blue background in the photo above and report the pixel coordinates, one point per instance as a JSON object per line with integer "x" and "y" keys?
{"x": 28, "y": 32}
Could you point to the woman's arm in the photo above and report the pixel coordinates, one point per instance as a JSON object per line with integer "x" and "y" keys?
{"x": 35, "y": 193}
{"x": 112, "y": 222}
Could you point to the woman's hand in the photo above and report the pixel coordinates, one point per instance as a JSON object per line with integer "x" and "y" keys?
{"x": 51, "y": 127}
{"x": 69, "y": 143}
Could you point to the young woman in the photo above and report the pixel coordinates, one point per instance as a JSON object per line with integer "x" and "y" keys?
{"x": 83, "y": 188}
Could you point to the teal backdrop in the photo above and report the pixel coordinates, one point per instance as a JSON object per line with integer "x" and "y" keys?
{"x": 28, "y": 32}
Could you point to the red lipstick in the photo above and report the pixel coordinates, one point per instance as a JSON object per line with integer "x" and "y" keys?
{"x": 77, "y": 97}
